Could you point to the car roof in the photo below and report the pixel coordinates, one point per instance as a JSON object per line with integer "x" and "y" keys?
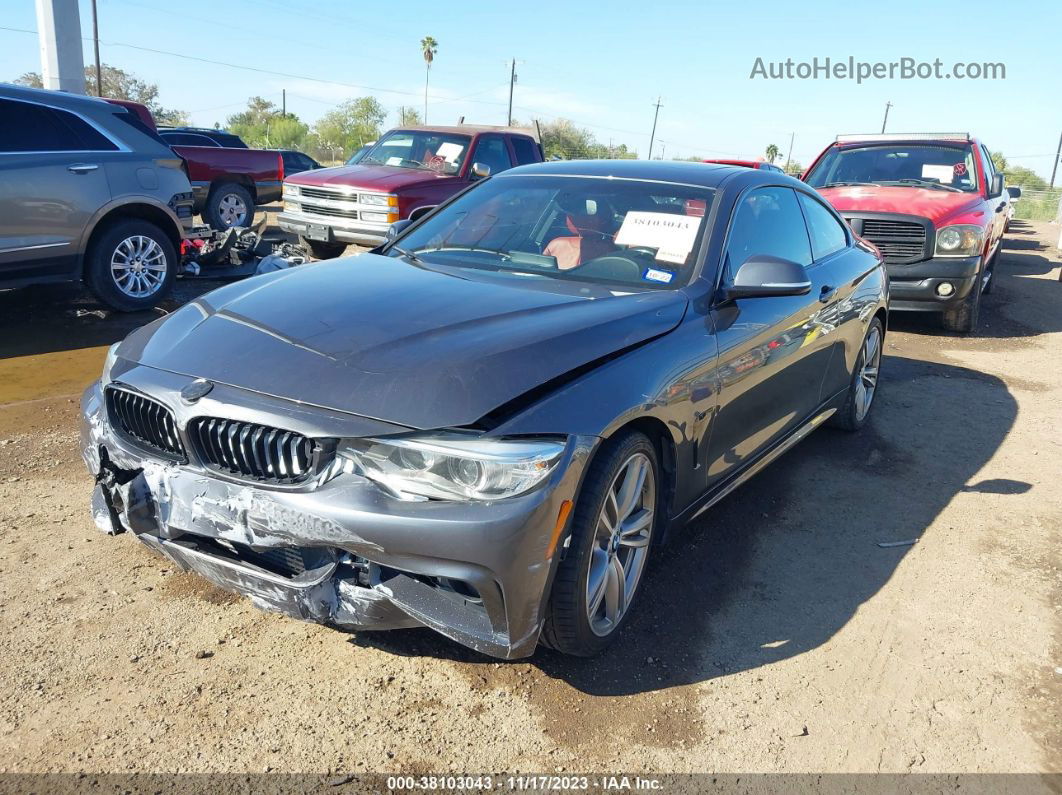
{"x": 708, "y": 175}
{"x": 57, "y": 98}
{"x": 736, "y": 162}
{"x": 466, "y": 129}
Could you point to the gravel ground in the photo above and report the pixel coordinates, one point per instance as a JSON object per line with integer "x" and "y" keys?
{"x": 776, "y": 636}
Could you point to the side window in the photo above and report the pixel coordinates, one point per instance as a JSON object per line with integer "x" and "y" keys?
{"x": 526, "y": 150}
{"x": 827, "y": 234}
{"x": 34, "y": 128}
{"x": 767, "y": 221}
{"x": 990, "y": 167}
{"x": 491, "y": 151}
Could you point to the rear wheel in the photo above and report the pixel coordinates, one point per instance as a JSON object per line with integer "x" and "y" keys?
{"x": 864, "y": 385}
{"x": 611, "y": 539}
{"x": 323, "y": 250}
{"x": 131, "y": 265}
{"x": 228, "y": 205}
{"x": 962, "y": 318}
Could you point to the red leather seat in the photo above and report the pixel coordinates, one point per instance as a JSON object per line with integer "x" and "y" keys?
{"x": 591, "y": 238}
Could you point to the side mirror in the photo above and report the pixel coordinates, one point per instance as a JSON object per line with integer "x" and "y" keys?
{"x": 763, "y": 276}
{"x": 1015, "y": 193}
{"x": 395, "y": 229}
{"x": 479, "y": 171}
{"x": 996, "y": 188}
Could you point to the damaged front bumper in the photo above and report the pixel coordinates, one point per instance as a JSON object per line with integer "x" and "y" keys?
{"x": 340, "y": 550}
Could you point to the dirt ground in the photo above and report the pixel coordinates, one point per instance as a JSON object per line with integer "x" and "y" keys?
{"x": 776, "y": 636}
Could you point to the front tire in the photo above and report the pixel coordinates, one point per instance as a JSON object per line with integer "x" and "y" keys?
{"x": 321, "y": 250}
{"x": 613, "y": 530}
{"x": 963, "y": 317}
{"x": 131, "y": 266}
{"x": 229, "y": 204}
{"x": 864, "y": 384}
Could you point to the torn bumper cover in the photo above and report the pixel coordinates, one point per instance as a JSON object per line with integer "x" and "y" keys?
{"x": 339, "y": 551}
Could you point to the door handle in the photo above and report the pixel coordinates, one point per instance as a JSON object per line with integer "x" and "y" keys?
{"x": 82, "y": 168}
{"x": 826, "y": 293}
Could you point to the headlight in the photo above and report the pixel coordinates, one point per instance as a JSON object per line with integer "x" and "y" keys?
{"x": 291, "y": 207}
{"x": 379, "y": 200}
{"x": 290, "y": 190}
{"x": 453, "y": 467}
{"x": 959, "y": 240}
{"x": 383, "y": 218}
{"x": 108, "y": 363}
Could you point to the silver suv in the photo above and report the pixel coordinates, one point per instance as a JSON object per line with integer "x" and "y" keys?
{"x": 87, "y": 191}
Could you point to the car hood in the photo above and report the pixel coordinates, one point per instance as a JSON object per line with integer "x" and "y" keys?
{"x": 382, "y": 338}
{"x": 931, "y": 203}
{"x": 384, "y": 178}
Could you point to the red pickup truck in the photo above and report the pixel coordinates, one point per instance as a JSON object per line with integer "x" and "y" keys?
{"x": 227, "y": 182}
{"x": 405, "y": 174}
{"x": 932, "y": 203}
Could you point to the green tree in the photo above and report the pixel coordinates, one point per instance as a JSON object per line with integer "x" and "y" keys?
{"x": 794, "y": 169}
{"x": 408, "y": 116}
{"x": 772, "y": 153}
{"x": 999, "y": 161}
{"x": 252, "y": 124}
{"x": 428, "y": 48}
{"x": 120, "y": 84}
{"x": 561, "y": 138}
{"x": 348, "y": 126}
{"x": 1025, "y": 178}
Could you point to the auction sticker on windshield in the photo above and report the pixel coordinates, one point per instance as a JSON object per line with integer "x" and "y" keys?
{"x": 673, "y": 236}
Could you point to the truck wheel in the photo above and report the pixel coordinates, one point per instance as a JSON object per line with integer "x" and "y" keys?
{"x": 962, "y": 318}
{"x": 131, "y": 266}
{"x": 321, "y": 250}
{"x": 229, "y": 204}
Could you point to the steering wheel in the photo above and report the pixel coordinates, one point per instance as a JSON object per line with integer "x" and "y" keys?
{"x": 651, "y": 252}
{"x": 611, "y": 266}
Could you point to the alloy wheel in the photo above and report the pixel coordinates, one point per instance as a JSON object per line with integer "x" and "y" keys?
{"x": 232, "y": 210}
{"x": 867, "y": 381}
{"x": 621, "y": 544}
{"x": 139, "y": 266}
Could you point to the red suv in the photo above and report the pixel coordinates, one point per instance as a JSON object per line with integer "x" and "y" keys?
{"x": 404, "y": 175}
{"x": 932, "y": 203}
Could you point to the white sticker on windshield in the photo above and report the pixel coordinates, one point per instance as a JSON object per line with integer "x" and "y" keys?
{"x": 449, "y": 151}
{"x": 394, "y": 161}
{"x": 672, "y": 235}
{"x": 654, "y": 275}
{"x": 942, "y": 174}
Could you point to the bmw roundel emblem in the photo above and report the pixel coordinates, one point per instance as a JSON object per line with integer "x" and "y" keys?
{"x": 199, "y": 388}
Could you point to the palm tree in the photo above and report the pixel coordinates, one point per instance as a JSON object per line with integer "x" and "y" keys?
{"x": 428, "y": 47}
{"x": 772, "y": 153}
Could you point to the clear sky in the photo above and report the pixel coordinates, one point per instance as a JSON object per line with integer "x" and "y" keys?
{"x": 600, "y": 64}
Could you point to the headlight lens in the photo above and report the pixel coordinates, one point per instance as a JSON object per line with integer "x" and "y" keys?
{"x": 108, "y": 363}
{"x": 290, "y": 190}
{"x": 959, "y": 240}
{"x": 452, "y": 466}
{"x": 379, "y": 200}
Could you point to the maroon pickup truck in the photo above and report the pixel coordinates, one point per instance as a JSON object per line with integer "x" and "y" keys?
{"x": 227, "y": 182}
{"x": 405, "y": 174}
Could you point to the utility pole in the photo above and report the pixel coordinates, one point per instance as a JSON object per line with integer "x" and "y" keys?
{"x": 1054, "y": 168}
{"x": 663, "y": 148}
{"x": 512, "y": 82}
{"x": 883, "y": 121}
{"x": 789, "y": 155}
{"x": 652, "y": 135}
{"x": 283, "y": 101}
{"x": 96, "y": 45}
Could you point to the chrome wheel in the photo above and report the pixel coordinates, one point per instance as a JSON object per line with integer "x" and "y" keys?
{"x": 232, "y": 210}
{"x": 621, "y": 544}
{"x": 139, "y": 266}
{"x": 867, "y": 381}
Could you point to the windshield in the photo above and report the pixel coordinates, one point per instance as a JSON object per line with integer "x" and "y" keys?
{"x": 926, "y": 165}
{"x": 420, "y": 149}
{"x": 617, "y": 232}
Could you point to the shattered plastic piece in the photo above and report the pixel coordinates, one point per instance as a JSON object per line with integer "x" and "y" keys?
{"x": 886, "y": 544}
{"x": 275, "y": 262}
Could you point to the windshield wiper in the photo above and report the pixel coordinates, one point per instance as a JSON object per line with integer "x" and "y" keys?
{"x": 504, "y": 256}
{"x": 409, "y": 255}
{"x": 844, "y": 184}
{"x": 921, "y": 183}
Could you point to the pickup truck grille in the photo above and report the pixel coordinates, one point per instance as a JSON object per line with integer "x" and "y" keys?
{"x": 144, "y": 421}
{"x": 331, "y": 212}
{"x": 253, "y": 451}
{"x": 325, "y": 193}
{"x": 900, "y": 241}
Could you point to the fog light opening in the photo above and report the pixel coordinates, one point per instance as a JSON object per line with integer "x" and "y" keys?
{"x": 944, "y": 289}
